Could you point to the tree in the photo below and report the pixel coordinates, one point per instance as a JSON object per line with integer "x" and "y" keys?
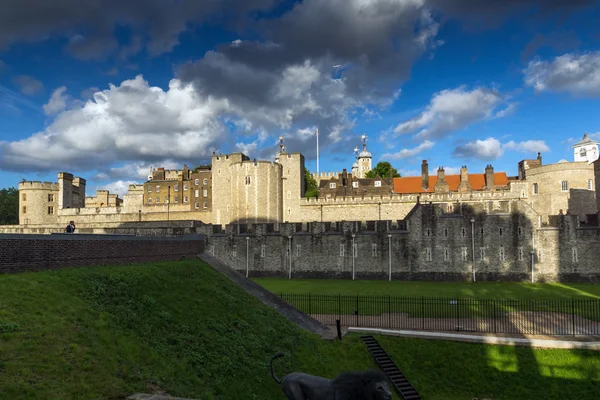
{"x": 310, "y": 187}
{"x": 383, "y": 170}
{"x": 9, "y": 206}
{"x": 209, "y": 166}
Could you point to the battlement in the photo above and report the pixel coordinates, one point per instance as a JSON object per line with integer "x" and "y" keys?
{"x": 65, "y": 176}
{"x": 256, "y": 163}
{"x": 31, "y": 185}
{"x": 325, "y": 175}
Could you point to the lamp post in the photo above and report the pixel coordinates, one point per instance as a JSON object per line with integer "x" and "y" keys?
{"x": 532, "y": 256}
{"x": 473, "y": 246}
{"x": 168, "y": 201}
{"x": 290, "y": 256}
{"x": 390, "y": 257}
{"x": 247, "y": 258}
{"x": 353, "y": 255}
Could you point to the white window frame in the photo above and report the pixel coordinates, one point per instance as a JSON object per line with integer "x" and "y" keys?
{"x": 196, "y": 205}
{"x": 465, "y": 254}
{"x": 205, "y": 181}
{"x": 176, "y": 199}
{"x": 536, "y": 188}
{"x": 564, "y": 186}
{"x": 176, "y": 187}
{"x": 149, "y": 188}
{"x": 196, "y": 193}
{"x": 185, "y": 187}
{"x": 185, "y": 199}
{"x": 377, "y": 183}
{"x": 590, "y": 184}
{"x": 204, "y": 204}
{"x": 332, "y": 185}
{"x": 149, "y": 200}
{"x": 204, "y": 193}
{"x": 196, "y": 181}
{"x": 157, "y": 188}
{"x": 157, "y": 200}
{"x": 355, "y": 184}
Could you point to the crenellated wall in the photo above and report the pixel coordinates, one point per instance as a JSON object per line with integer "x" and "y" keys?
{"x": 429, "y": 244}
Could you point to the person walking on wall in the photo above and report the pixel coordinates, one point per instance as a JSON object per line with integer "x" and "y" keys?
{"x": 71, "y": 227}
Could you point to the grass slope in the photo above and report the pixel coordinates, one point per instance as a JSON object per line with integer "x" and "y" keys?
{"x": 180, "y": 327}
{"x": 498, "y": 290}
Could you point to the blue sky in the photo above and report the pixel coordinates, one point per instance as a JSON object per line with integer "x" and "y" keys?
{"x": 108, "y": 90}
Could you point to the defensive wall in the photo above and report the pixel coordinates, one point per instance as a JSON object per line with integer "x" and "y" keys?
{"x": 25, "y": 253}
{"x": 506, "y": 244}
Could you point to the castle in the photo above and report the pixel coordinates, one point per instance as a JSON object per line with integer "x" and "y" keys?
{"x": 236, "y": 189}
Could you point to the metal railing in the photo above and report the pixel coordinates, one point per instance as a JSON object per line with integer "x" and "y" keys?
{"x": 532, "y": 317}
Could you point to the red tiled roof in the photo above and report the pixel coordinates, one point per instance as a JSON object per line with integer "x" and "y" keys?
{"x": 412, "y": 184}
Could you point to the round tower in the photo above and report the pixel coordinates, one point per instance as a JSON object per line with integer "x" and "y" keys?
{"x": 364, "y": 159}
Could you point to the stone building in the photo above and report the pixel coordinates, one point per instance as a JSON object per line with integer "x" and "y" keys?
{"x": 585, "y": 150}
{"x": 346, "y": 184}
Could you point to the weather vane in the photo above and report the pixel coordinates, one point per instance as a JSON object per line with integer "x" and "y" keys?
{"x": 364, "y": 139}
{"x": 281, "y": 144}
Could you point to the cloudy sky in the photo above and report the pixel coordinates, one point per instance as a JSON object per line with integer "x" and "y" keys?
{"x": 106, "y": 89}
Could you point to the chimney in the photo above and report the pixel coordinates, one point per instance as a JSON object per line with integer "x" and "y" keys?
{"x": 441, "y": 186}
{"x": 539, "y": 158}
{"x": 425, "y": 175}
{"x": 464, "y": 185}
{"x": 489, "y": 178}
{"x": 344, "y": 177}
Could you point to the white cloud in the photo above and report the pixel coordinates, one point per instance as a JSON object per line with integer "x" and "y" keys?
{"x": 119, "y": 187}
{"x": 577, "y": 74}
{"x": 58, "y": 101}
{"x": 492, "y": 149}
{"x": 454, "y": 109}
{"x": 130, "y": 122}
{"x": 408, "y": 153}
{"x": 452, "y": 170}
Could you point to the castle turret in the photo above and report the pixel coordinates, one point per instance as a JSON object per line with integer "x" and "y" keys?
{"x": 364, "y": 159}
{"x": 464, "y": 186}
{"x": 425, "y": 175}
{"x": 65, "y": 190}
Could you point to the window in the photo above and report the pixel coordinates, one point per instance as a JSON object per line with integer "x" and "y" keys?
{"x": 185, "y": 199}
{"x": 50, "y": 210}
{"x": 575, "y": 255}
{"x": 464, "y": 253}
{"x": 590, "y": 184}
{"x": 354, "y": 184}
{"x": 185, "y": 187}
{"x": 196, "y": 205}
{"x": 482, "y": 253}
{"x": 262, "y": 250}
{"x": 539, "y": 255}
{"x": 24, "y": 196}
{"x": 332, "y": 185}
{"x": 157, "y": 188}
{"x": 247, "y": 180}
{"x": 196, "y": 193}
{"x": 176, "y": 188}
{"x": 205, "y": 181}
{"x": 24, "y": 210}
{"x": 196, "y": 181}
{"x": 501, "y": 253}
{"x": 564, "y": 186}
{"x": 342, "y": 249}
{"x": 204, "y": 193}
{"x": 446, "y": 232}
{"x": 450, "y": 207}
{"x": 374, "y": 249}
{"x": 377, "y": 183}
{"x": 176, "y": 199}
{"x": 500, "y": 231}
{"x": 464, "y": 232}
{"x": 428, "y": 254}
{"x": 234, "y": 251}
{"x": 149, "y": 200}
{"x": 298, "y": 250}
{"x": 50, "y": 197}
{"x": 519, "y": 231}
{"x": 446, "y": 253}
{"x": 481, "y": 231}
{"x": 536, "y": 189}
{"x": 149, "y": 189}
{"x": 157, "y": 199}
{"x": 205, "y": 204}
{"x": 428, "y": 232}
{"x": 520, "y": 253}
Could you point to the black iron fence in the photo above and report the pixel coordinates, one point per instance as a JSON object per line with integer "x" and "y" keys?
{"x": 534, "y": 317}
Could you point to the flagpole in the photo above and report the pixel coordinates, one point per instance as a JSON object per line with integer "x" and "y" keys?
{"x": 317, "y": 133}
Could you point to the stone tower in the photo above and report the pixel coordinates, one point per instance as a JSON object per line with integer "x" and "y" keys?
{"x": 364, "y": 159}
{"x": 585, "y": 150}
{"x": 293, "y": 183}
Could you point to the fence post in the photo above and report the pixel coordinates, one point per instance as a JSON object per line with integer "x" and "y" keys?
{"x": 573, "y": 313}
{"x": 457, "y": 315}
{"x": 357, "y": 310}
{"x": 389, "y": 311}
{"x": 495, "y": 316}
{"x": 340, "y": 306}
{"x": 423, "y": 313}
{"x": 309, "y": 305}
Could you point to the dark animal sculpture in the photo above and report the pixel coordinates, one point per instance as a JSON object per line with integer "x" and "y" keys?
{"x": 356, "y": 385}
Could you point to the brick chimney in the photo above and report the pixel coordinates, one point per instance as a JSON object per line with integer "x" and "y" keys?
{"x": 441, "y": 186}
{"x": 344, "y": 177}
{"x": 464, "y": 185}
{"x": 425, "y": 175}
{"x": 489, "y": 178}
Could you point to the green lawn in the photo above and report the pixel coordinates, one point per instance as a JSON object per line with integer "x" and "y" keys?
{"x": 488, "y": 290}
{"x": 107, "y": 332}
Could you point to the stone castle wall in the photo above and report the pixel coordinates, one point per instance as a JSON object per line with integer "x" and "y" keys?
{"x": 428, "y": 244}
{"x": 25, "y": 253}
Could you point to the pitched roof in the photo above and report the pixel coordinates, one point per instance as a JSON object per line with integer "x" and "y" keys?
{"x": 412, "y": 184}
{"x": 586, "y": 140}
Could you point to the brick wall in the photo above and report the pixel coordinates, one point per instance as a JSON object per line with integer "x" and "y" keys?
{"x": 23, "y": 253}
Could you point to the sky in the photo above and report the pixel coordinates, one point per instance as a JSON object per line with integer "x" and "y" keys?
{"x": 108, "y": 89}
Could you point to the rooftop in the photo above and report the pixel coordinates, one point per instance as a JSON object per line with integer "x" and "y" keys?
{"x": 413, "y": 184}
